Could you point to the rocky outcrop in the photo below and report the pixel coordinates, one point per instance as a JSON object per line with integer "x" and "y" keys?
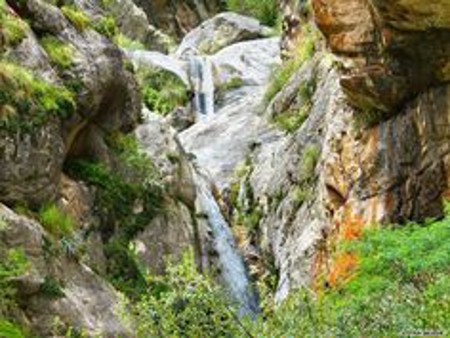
{"x": 178, "y": 17}
{"x": 221, "y": 31}
{"x": 393, "y": 50}
{"x": 78, "y": 298}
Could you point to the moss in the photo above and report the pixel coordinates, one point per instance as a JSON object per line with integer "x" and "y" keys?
{"x": 291, "y": 121}
{"x": 78, "y": 19}
{"x": 125, "y": 42}
{"x": 56, "y": 221}
{"x": 264, "y": 10}
{"x": 27, "y": 102}
{"x": 12, "y": 29}
{"x": 60, "y": 53}
{"x": 107, "y": 26}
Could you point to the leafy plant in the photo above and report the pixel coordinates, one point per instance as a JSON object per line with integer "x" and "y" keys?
{"x": 304, "y": 52}
{"x": 60, "y": 53}
{"x": 77, "y": 17}
{"x": 107, "y": 26}
{"x": 27, "y": 102}
{"x": 162, "y": 91}
{"x": 264, "y": 10}
{"x": 56, "y": 221}
{"x": 51, "y": 288}
{"x": 125, "y": 42}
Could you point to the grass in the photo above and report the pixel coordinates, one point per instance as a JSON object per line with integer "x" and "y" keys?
{"x": 162, "y": 91}
{"x": 265, "y": 11}
{"x": 292, "y": 120}
{"x": 12, "y": 29}
{"x": 27, "y": 101}
{"x": 56, "y": 221}
{"x": 51, "y": 288}
{"x": 304, "y": 52}
{"x": 60, "y": 53}
{"x": 125, "y": 42}
{"x": 78, "y": 19}
{"x": 107, "y": 26}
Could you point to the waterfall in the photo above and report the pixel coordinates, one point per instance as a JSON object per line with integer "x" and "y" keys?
{"x": 231, "y": 263}
{"x": 200, "y": 74}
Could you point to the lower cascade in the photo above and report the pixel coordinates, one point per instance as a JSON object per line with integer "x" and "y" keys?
{"x": 231, "y": 263}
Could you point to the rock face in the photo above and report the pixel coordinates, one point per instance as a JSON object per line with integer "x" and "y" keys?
{"x": 395, "y": 49}
{"x": 178, "y": 17}
{"x": 86, "y": 301}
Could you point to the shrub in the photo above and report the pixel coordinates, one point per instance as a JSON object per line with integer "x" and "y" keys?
{"x": 162, "y": 91}
{"x": 27, "y": 102}
{"x": 304, "y": 52}
{"x": 55, "y": 221}
{"x": 12, "y": 29}
{"x": 389, "y": 282}
{"x": 78, "y": 19}
{"x": 265, "y": 11}
{"x": 184, "y": 303}
{"x": 60, "y": 53}
{"x": 291, "y": 121}
{"x": 10, "y": 330}
{"x": 51, "y": 288}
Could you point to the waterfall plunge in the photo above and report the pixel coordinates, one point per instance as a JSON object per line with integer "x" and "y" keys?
{"x": 200, "y": 74}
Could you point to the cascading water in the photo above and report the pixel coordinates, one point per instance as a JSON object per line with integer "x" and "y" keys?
{"x": 200, "y": 74}
{"x": 231, "y": 263}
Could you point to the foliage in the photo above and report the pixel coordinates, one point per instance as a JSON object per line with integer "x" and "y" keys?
{"x": 77, "y": 17}
{"x": 27, "y": 102}
{"x": 162, "y": 91}
{"x": 51, "y": 288}
{"x": 107, "y": 26}
{"x": 60, "y": 53}
{"x": 125, "y": 42}
{"x": 304, "y": 52}
{"x": 292, "y": 120}
{"x": 126, "y": 200}
{"x": 184, "y": 303}
{"x": 369, "y": 117}
{"x": 13, "y": 263}
{"x": 56, "y": 221}
{"x": 12, "y": 28}
{"x": 264, "y": 10}
{"x": 393, "y": 281}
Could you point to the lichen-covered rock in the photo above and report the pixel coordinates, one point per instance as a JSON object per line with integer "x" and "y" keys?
{"x": 393, "y": 49}
{"x": 86, "y": 303}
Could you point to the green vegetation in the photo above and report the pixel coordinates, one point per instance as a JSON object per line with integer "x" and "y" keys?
{"x": 51, "y": 288}
{"x": 56, "y": 221}
{"x": 307, "y": 165}
{"x": 369, "y": 117}
{"x": 265, "y": 11}
{"x": 13, "y": 263}
{"x": 77, "y": 17}
{"x": 304, "y": 52}
{"x": 162, "y": 91}
{"x": 127, "y": 198}
{"x": 27, "y": 102}
{"x": 292, "y": 120}
{"x": 12, "y": 28}
{"x": 107, "y": 26}
{"x": 126, "y": 43}
{"x": 60, "y": 53}
{"x": 184, "y": 303}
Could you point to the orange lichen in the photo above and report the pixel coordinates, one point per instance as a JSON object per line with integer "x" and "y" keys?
{"x": 352, "y": 229}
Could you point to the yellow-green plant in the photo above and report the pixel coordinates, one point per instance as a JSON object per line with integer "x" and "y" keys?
{"x": 60, "y": 53}
{"x": 12, "y": 28}
{"x": 76, "y": 16}
{"x": 55, "y": 221}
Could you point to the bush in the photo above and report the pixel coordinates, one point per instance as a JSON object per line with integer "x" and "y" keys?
{"x": 265, "y": 11}
{"x": 55, "y": 221}
{"x": 27, "y": 102}
{"x": 304, "y": 52}
{"x": 162, "y": 91}
{"x": 184, "y": 303}
{"x": 78, "y": 19}
{"x": 393, "y": 281}
{"x": 60, "y": 54}
{"x": 51, "y": 288}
